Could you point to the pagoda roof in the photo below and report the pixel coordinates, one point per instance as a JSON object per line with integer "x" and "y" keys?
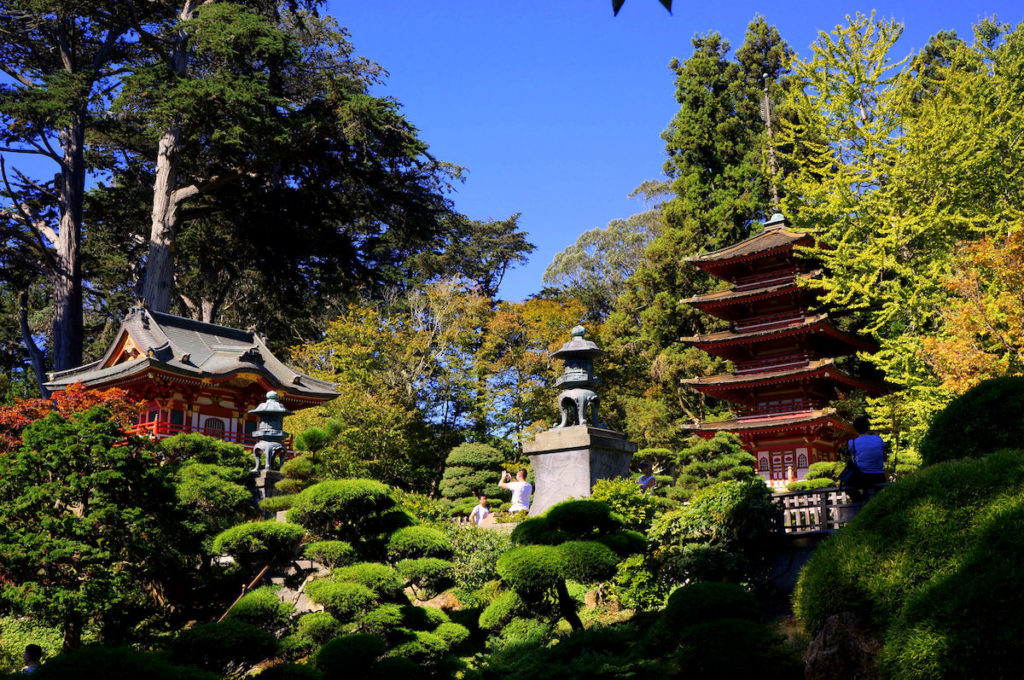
{"x": 824, "y": 369}
{"x": 775, "y": 424}
{"x": 775, "y": 238}
{"x": 817, "y": 323}
{"x": 738, "y": 294}
{"x": 153, "y": 341}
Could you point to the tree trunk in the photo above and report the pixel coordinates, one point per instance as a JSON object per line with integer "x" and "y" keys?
{"x": 567, "y": 606}
{"x": 35, "y": 355}
{"x": 72, "y": 632}
{"x": 67, "y": 273}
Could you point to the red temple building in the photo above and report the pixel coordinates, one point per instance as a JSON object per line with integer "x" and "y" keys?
{"x": 783, "y": 354}
{"x": 194, "y": 376}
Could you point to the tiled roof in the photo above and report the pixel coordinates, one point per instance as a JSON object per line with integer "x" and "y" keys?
{"x": 734, "y": 295}
{"x": 812, "y": 369}
{"x": 786, "y": 421}
{"x": 768, "y": 240}
{"x": 193, "y": 348}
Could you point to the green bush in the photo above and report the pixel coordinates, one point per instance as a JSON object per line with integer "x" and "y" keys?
{"x": 115, "y": 663}
{"x": 524, "y": 631}
{"x": 588, "y": 562}
{"x": 392, "y": 668}
{"x": 471, "y": 469}
{"x": 810, "y": 484}
{"x": 452, "y": 633}
{"x": 314, "y": 439}
{"x": 290, "y": 487}
{"x": 624, "y": 543}
{"x": 15, "y": 633}
{"x": 198, "y": 448}
{"x": 259, "y": 543}
{"x": 290, "y": 671}
{"x": 345, "y": 601}
{"x": 581, "y": 519}
{"x": 418, "y": 541}
{"x": 263, "y": 608}
{"x": 627, "y": 500}
{"x": 422, "y": 618}
{"x": 637, "y": 585}
{"x": 932, "y": 564}
{"x": 277, "y": 503}
{"x": 501, "y": 610}
{"x": 701, "y": 562}
{"x": 331, "y": 553}
{"x": 223, "y": 647}
{"x": 381, "y": 579}
{"x": 299, "y": 467}
{"x": 731, "y": 648}
{"x": 475, "y": 555}
{"x": 383, "y": 621}
{"x": 317, "y": 626}
{"x": 826, "y": 469}
{"x": 427, "y": 575}
{"x": 707, "y": 462}
{"x": 421, "y": 648}
{"x": 704, "y": 602}
{"x": 350, "y": 656}
{"x": 986, "y": 418}
{"x": 531, "y": 570}
{"x": 423, "y": 507}
{"x": 348, "y": 509}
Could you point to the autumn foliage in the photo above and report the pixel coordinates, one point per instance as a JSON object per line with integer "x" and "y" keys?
{"x": 14, "y": 418}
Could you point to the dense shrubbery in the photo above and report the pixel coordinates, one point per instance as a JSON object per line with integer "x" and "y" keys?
{"x": 706, "y": 462}
{"x": 471, "y": 469}
{"x": 262, "y": 608}
{"x": 932, "y": 564}
{"x": 624, "y": 497}
{"x": 116, "y": 663}
{"x": 986, "y": 418}
{"x": 344, "y": 509}
{"x": 258, "y": 543}
{"x": 331, "y": 553}
{"x": 418, "y": 541}
{"x": 223, "y": 647}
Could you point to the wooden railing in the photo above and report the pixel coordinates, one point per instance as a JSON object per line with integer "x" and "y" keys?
{"x": 757, "y": 280}
{"x": 769, "y": 320}
{"x": 769, "y": 363}
{"x": 817, "y": 510}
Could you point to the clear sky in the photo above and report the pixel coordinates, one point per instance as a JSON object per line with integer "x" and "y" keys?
{"x": 556, "y": 107}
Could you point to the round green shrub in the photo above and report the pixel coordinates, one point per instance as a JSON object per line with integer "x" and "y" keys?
{"x": 222, "y": 647}
{"x": 263, "y": 608}
{"x": 331, "y": 553}
{"x": 932, "y": 565}
{"x": 452, "y": 633}
{"x": 986, "y": 418}
{"x": 582, "y": 519}
{"x": 318, "y": 627}
{"x": 350, "y": 655}
{"x": 731, "y": 648}
{"x": 526, "y": 631}
{"x": 422, "y": 648}
{"x": 588, "y": 561}
{"x": 707, "y": 601}
{"x": 627, "y": 500}
{"x": 290, "y": 671}
{"x": 501, "y": 610}
{"x": 290, "y": 487}
{"x": 314, "y": 439}
{"x": 276, "y": 503}
{"x": 259, "y": 543}
{"x": 471, "y": 469}
{"x": 532, "y": 569}
{"x": 383, "y": 621}
{"x": 825, "y": 469}
{"x": 343, "y": 600}
{"x": 422, "y": 618}
{"x": 345, "y": 508}
{"x": 536, "y": 531}
{"x": 736, "y": 516}
{"x": 116, "y": 663}
{"x": 810, "y": 484}
{"x": 299, "y": 467}
{"x": 381, "y": 579}
{"x": 418, "y": 541}
{"x": 428, "y": 575}
{"x": 199, "y": 448}
{"x": 624, "y": 543}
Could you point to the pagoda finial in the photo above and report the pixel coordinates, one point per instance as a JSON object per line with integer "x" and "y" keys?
{"x": 578, "y": 399}
{"x": 776, "y": 221}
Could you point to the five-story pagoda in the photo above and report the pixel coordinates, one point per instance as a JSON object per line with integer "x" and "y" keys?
{"x": 783, "y": 354}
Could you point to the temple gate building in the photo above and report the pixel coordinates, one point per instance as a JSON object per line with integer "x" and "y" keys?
{"x": 783, "y": 354}
{"x": 194, "y": 376}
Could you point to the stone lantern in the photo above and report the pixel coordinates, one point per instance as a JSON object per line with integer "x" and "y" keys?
{"x": 269, "y": 434}
{"x": 570, "y": 457}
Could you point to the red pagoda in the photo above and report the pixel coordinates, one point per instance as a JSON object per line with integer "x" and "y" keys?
{"x": 783, "y": 354}
{"x": 194, "y": 376}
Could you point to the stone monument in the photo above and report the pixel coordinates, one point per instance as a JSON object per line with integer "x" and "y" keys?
{"x": 570, "y": 457}
{"x": 270, "y": 435}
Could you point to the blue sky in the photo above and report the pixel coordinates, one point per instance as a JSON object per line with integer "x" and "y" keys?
{"x": 556, "y": 107}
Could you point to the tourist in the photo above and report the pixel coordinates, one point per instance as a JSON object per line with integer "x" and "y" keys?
{"x": 521, "y": 490}
{"x": 647, "y": 481}
{"x": 33, "y": 658}
{"x": 867, "y": 452}
{"x": 480, "y": 512}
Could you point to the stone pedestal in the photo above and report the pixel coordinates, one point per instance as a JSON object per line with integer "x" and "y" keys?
{"x": 568, "y": 461}
{"x": 263, "y": 483}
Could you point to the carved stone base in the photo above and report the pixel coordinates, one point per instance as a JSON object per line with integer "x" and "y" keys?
{"x": 568, "y": 461}
{"x": 264, "y": 482}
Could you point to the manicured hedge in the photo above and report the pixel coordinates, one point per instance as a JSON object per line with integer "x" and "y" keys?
{"x": 704, "y": 602}
{"x": 344, "y": 601}
{"x": 331, "y": 553}
{"x": 418, "y": 541}
{"x": 258, "y": 543}
{"x": 501, "y": 610}
{"x": 381, "y": 579}
{"x": 532, "y": 569}
{"x": 471, "y": 469}
{"x": 986, "y": 418}
{"x": 588, "y": 561}
{"x": 340, "y": 508}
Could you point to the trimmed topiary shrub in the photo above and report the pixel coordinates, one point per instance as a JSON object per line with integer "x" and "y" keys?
{"x": 581, "y": 519}
{"x": 531, "y": 570}
{"x": 932, "y": 564}
{"x": 525, "y": 631}
{"x": 810, "y": 484}
{"x": 347, "y": 509}
{"x": 381, "y": 579}
{"x": 421, "y": 648}
{"x": 588, "y": 561}
{"x": 223, "y": 647}
{"x": 418, "y": 541}
{"x": 825, "y": 470}
{"x": 428, "y": 576}
{"x": 331, "y": 553}
{"x": 986, "y": 418}
{"x": 199, "y": 448}
{"x": 263, "y": 608}
{"x": 313, "y": 439}
{"x": 258, "y": 543}
{"x": 707, "y": 601}
{"x": 276, "y": 503}
{"x": 624, "y": 543}
{"x": 350, "y": 656}
{"x": 422, "y": 618}
{"x": 383, "y": 621}
{"x": 471, "y": 469}
{"x": 344, "y": 601}
{"x": 452, "y": 633}
{"x": 501, "y": 610}
{"x": 319, "y": 627}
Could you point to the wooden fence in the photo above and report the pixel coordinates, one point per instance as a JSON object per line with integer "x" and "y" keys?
{"x": 818, "y": 510}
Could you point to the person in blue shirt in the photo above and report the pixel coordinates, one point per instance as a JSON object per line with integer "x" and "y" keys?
{"x": 868, "y": 453}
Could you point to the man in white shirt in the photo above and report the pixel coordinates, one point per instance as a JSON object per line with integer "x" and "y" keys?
{"x": 521, "y": 490}
{"x": 480, "y": 512}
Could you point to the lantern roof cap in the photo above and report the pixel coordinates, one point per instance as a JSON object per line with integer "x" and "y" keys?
{"x": 271, "y": 407}
{"x": 578, "y": 346}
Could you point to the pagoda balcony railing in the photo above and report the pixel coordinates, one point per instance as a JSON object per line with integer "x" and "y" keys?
{"x": 792, "y": 360}
{"x": 160, "y": 430}
{"x": 775, "y": 410}
{"x": 765, "y": 278}
{"x": 769, "y": 320}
